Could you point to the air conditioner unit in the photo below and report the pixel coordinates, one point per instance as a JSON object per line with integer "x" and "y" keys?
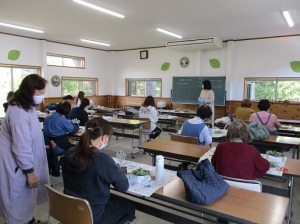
{"x": 196, "y": 44}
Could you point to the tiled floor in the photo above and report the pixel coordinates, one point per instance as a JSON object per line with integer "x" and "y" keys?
{"x": 125, "y": 145}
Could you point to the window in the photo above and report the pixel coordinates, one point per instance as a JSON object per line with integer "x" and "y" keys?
{"x": 11, "y": 78}
{"x": 143, "y": 87}
{"x": 72, "y": 85}
{"x": 65, "y": 61}
{"x": 276, "y": 89}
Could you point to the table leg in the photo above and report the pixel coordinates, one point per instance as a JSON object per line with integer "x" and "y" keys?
{"x": 140, "y": 135}
{"x": 293, "y": 153}
{"x": 290, "y": 210}
{"x": 176, "y": 126}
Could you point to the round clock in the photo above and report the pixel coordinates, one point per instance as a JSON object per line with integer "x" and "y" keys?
{"x": 55, "y": 81}
{"x": 184, "y": 62}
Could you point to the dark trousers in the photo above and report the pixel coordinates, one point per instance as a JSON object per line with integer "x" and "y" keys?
{"x": 155, "y": 133}
{"x": 118, "y": 211}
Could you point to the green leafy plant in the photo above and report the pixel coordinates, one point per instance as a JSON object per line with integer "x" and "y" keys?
{"x": 140, "y": 172}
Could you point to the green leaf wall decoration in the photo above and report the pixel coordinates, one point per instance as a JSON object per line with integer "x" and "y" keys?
{"x": 295, "y": 65}
{"x": 165, "y": 66}
{"x": 14, "y": 55}
{"x": 215, "y": 63}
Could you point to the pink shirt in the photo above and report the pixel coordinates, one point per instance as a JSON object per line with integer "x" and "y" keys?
{"x": 273, "y": 123}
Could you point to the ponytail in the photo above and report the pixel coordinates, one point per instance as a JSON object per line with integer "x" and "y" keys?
{"x": 95, "y": 128}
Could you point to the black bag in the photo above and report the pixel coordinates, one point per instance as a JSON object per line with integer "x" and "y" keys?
{"x": 203, "y": 185}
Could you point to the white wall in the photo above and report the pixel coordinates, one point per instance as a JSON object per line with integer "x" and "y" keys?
{"x": 239, "y": 59}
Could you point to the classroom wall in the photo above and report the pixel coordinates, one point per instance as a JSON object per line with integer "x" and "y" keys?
{"x": 239, "y": 59}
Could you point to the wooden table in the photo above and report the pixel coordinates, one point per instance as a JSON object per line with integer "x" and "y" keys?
{"x": 272, "y": 140}
{"x": 237, "y": 205}
{"x": 175, "y": 150}
{"x": 178, "y": 113}
{"x": 170, "y": 120}
{"x": 128, "y": 123}
{"x": 293, "y": 132}
{"x": 289, "y": 122}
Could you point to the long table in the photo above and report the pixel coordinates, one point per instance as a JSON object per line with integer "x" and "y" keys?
{"x": 188, "y": 152}
{"x": 272, "y": 140}
{"x": 175, "y": 150}
{"x": 237, "y": 205}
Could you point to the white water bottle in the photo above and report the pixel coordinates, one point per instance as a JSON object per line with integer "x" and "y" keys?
{"x": 160, "y": 169}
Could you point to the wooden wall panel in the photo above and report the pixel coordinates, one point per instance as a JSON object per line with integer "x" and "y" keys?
{"x": 281, "y": 109}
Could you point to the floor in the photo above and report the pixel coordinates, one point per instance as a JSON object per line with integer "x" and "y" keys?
{"x": 125, "y": 145}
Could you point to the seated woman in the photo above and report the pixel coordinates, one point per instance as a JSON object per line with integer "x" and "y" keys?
{"x": 196, "y": 127}
{"x": 235, "y": 158}
{"x": 57, "y": 126}
{"x": 80, "y": 113}
{"x": 244, "y": 111}
{"x": 88, "y": 173}
{"x": 263, "y": 117}
{"x": 148, "y": 111}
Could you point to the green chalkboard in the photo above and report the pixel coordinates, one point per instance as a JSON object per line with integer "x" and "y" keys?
{"x": 187, "y": 89}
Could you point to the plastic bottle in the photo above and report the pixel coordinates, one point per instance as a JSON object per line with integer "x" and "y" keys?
{"x": 160, "y": 169}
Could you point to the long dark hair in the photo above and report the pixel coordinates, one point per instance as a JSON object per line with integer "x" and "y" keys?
{"x": 149, "y": 101}
{"x": 80, "y": 96}
{"x": 94, "y": 128}
{"x": 24, "y": 95}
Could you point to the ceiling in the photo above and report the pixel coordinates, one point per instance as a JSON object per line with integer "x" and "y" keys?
{"x": 67, "y": 22}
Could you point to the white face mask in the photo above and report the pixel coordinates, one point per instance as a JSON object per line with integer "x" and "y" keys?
{"x": 38, "y": 99}
{"x": 103, "y": 145}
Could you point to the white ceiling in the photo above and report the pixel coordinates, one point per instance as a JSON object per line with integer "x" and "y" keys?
{"x": 67, "y": 22}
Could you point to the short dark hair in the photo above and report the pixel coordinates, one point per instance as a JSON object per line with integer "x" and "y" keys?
{"x": 68, "y": 97}
{"x": 204, "y": 112}
{"x": 9, "y": 95}
{"x": 149, "y": 101}
{"x": 64, "y": 108}
{"x": 263, "y": 105}
{"x": 24, "y": 95}
{"x": 206, "y": 84}
{"x": 84, "y": 102}
{"x": 246, "y": 103}
{"x": 238, "y": 130}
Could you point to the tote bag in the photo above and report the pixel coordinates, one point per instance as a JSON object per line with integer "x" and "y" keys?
{"x": 203, "y": 185}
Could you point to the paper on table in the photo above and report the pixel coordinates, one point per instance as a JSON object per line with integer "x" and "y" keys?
{"x": 278, "y": 170}
{"x": 150, "y": 187}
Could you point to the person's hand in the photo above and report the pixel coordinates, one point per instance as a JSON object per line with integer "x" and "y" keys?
{"x": 75, "y": 121}
{"x": 200, "y": 100}
{"x": 32, "y": 180}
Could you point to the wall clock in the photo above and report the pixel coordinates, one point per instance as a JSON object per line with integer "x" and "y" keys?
{"x": 184, "y": 62}
{"x": 55, "y": 81}
{"x": 144, "y": 54}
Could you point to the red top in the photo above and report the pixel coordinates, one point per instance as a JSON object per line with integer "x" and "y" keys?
{"x": 239, "y": 160}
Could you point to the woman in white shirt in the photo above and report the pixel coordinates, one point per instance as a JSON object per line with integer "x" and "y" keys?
{"x": 80, "y": 96}
{"x": 148, "y": 111}
{"x": 207, "y": 97}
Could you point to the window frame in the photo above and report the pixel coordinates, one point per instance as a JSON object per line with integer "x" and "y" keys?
{"x": 68, "y": 57}
{"x": 80, "y": 79}
{"x": 127, "y": 80}
{"x": 276, "y": 79}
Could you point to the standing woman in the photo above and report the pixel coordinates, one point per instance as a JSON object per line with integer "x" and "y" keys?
{"x": 80, "y": 96}
{"x": 9, "y": 96}
{"x": 148, "y": 110}
{"x": 23, "y": 162}
{"x": 88, "y": 173}
{"x": 207, "y": 97}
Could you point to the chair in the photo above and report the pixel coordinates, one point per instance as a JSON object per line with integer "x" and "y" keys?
{"x": 67, "y": 209}
{"x": 185, "y": 139}
{"x": 146, "y": 125}
{"x": 252, "y": 185}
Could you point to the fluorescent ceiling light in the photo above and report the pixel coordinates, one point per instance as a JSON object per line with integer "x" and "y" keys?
{"x": 288, "y": 18}
{"x": 95, "y": 42}
{"x": 169, "y": 33}
{"x": 21, "y": 27}
{"x": 99, "y": 8}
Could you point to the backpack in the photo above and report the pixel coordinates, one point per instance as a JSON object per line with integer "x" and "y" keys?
{"x": 276, "y": 133}
{"x": 258, "y": 132}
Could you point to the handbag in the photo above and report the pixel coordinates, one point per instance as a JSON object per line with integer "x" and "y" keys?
{"x": 258, "y": 132}
{"x": 202, "y": 184}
